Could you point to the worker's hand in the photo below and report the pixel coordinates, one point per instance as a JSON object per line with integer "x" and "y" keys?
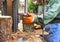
{"x": 36, "y": 26}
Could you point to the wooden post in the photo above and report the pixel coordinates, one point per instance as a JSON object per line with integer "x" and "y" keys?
{"x": 0, "y": 4}
{"x": 9, "y": 8}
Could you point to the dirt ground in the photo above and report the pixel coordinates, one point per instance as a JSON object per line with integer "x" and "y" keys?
{"x": 28, "y": 38}
{"x": 32, "y": 38}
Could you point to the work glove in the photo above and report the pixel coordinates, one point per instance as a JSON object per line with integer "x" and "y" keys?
{"x": 29, "y": 18}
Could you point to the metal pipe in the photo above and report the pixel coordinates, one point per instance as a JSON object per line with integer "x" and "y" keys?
{"x": 26, "y": 6}
{"x": 44, "y": 12}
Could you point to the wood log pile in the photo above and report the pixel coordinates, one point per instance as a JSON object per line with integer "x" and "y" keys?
{"x": 5, "y": 28}
{"x": 29, "y": 36}
{"x": 24, "y": 34}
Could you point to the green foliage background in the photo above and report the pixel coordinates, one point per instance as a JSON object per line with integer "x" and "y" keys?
{"x": 32, "y": 7}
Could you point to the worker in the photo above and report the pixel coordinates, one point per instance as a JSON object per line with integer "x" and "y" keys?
{"x": 51, "y": 21}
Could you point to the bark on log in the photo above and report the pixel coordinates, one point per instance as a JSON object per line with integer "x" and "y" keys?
{"x": 5, "y": 28}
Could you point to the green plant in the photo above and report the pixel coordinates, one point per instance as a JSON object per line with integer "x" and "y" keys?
{"x": 32, "y": 7}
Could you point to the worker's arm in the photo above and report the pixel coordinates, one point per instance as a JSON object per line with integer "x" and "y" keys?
{"x": 52, "y": 12}
{"x": 50, "y": 15}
